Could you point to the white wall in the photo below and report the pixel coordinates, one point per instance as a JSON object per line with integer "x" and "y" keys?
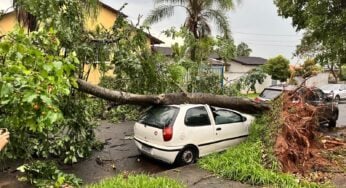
{"x": 319, "y": 80}
{"x": 238, "y": 70}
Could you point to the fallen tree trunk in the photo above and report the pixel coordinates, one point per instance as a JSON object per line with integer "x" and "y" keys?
{"x": 237, "y": 103}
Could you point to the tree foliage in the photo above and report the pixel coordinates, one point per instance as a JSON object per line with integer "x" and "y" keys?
{"x": 308, "y": 69}
{"x": 199, "y": 15}
{"x": 225, "y": 48}
{"x": 253, "y": 77}
{"x": 33, "y": 79}
{"x": 324, "y": 24}
{"x": 39, "y": 68}
{"x": 278, "y": 68}
{"x": 243, "y": 50}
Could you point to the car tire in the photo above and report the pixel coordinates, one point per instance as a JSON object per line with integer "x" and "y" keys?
{"x": 332, "y": 122}
{"x": 186, "y": 156}
{"x": 337, "y": 99}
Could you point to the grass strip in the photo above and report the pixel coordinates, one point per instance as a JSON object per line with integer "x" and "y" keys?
{"x": 244, "y": 162}
{"x": 137, "y": 181}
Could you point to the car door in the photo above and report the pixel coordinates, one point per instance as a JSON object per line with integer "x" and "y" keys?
{"x": 230, "y": 128}
{"x": 325, "y": 109}
{"x": 199, "y": 130}
{"x": 343, "y": 91}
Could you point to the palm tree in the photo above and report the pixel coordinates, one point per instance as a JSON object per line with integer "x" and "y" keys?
{"x": 199, "y": 14}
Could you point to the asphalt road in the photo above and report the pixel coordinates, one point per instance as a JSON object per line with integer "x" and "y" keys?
{"x": 342, "y": 115}
{"x": 118, "y": 155}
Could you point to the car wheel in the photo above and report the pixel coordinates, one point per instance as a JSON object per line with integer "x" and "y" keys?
{"x": 337, "y": 99}
{"x": 332, "y": 122}
{"x": 187, "y": 156}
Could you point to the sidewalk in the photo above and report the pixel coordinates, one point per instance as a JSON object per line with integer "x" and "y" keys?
{"x": 193, "y": 176}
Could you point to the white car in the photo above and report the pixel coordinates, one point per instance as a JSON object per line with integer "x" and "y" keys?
{"x": 337, "y": 90}
{"x": 183, "y": 133}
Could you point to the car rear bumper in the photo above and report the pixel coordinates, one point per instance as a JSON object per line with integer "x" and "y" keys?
{"x": 165, "y": 154}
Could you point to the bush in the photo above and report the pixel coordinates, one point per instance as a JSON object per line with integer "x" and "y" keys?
{"x": 46, "y": 174}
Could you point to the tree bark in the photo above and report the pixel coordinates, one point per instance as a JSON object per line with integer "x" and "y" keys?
{"x": 236, "y": 103}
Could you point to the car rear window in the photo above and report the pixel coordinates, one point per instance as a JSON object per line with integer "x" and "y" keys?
{"x": 270, "y": 93}
{"x": 159, "y": 116}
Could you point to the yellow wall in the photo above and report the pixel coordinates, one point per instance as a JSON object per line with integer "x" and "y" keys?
{"x": 7, "y": 23}
{"x": 105, "y": 17}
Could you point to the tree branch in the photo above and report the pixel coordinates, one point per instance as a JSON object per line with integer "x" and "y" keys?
{"x": 237, "y": 103}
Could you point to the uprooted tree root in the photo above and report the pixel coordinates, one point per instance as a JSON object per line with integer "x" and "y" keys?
{"x": 299, "y": 145}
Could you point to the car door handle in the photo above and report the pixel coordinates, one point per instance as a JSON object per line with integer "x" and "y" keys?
{"x": 218, "y": 129}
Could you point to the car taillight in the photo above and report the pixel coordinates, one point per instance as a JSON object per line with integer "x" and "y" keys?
{"x": 167, "y": 133}
{"x": 258, "y": 99}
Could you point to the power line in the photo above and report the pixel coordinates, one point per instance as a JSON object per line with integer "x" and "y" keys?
{"x": 265, "y": 34}
{"x": 276, "y": 41}
{"x": 271, "y": 45}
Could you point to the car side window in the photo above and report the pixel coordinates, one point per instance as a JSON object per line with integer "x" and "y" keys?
{"x": 197, "y": 116}
{"x": 343, "y": 87}
{"x": 225, "y": 117}
{"x": 311, "y": 95}
{"x": 319, "y": 94}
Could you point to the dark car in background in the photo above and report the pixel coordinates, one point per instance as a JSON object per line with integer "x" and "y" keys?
{"x": 328, "y": 110}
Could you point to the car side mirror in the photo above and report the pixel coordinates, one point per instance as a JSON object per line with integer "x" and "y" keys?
{"x": 243, "y": 118}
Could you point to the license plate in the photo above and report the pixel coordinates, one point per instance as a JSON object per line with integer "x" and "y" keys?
{"x": 146, "y": 148}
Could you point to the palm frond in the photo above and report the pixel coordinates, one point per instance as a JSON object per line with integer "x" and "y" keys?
{"x": 220, "y": 19}
{"x": 203, "y": 28}
{"x": 159, "y": 13}
{"x": 225, "y": 4}
{"x": 172, "y": 2}
{"x": 220, "y": 4}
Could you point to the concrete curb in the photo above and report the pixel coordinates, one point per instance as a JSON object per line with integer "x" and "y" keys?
{"x": 193, "y": 176}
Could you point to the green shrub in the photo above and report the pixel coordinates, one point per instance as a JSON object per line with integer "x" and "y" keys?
{"x": 137, "y": 181}
{"x": 46, "y": 174}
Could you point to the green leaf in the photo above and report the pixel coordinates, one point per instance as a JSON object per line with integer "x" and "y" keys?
{"x": 21, "y": 168}
{"x": 29, "y": 97}
{"x": 57, "y": 64}
{"x": 5, "y": 89}
{"x": 53, "y": 117}
{"x": 47, "y": 67}
{"x": 46, "y": 99}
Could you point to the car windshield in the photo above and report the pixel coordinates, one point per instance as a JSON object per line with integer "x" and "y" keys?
{"x": 159, "y": 116}
{"x": 270, "y": 93}
{"x": 330, "y": 87}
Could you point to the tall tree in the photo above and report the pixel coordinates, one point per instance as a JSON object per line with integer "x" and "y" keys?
{"x": 324, "y": 24}
{"x": 243, "y": 49}
{"x": 199, "y": 14}
{"x": 278, "y": 68}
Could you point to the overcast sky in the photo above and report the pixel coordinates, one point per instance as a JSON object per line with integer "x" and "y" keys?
{"x": 254, "y": 22}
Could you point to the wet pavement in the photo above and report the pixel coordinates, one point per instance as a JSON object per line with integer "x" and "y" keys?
{"x": 118, "y": 155}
